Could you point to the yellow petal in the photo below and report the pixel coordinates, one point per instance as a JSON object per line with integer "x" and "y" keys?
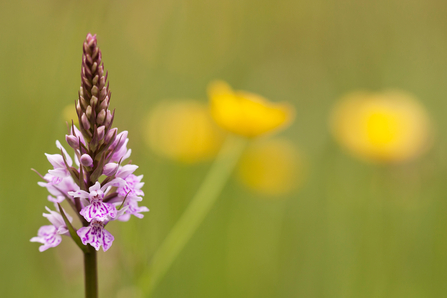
{"x": 271, "y": 167}
{"x": 182, "y": 130}
{"x": 245, "y": 113}
{"x": 384, "y": 127}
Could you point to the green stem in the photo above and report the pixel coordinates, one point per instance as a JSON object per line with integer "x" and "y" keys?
{"x": 90, "y": 273}
{"x": 194, "y": 214}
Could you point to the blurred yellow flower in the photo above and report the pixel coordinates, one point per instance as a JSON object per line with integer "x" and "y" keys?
{"x": 245, "y": 113}
{"x": 69, "y": 114}
{"x": 182, "y": 130}
{"x": 382, "y": 127}
{"x": 271, "y": 167}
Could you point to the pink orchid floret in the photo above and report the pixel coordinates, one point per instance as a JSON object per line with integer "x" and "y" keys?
{"x": 132, "y": 187}
{"x": 58, "y": 163}
{"x": 58, "y": 187}
{"x": 132, "y": 193}
{"x": 124, "y": 171}
{"x": 50, "y": 236}
{"x": 133, "y": 209}
{"x": 96, "y": 235}
{"x": 95, "y": 208}
{"x": 74, "y": 137}
{"x": 119, "y": 146}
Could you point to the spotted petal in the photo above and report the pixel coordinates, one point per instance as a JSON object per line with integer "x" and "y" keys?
{"x": 96, "y": 235}
{"x": 48, "y": 236}
{"x": 99, "y": 211}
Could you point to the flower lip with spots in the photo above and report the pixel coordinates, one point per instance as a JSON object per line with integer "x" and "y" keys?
{"x": 95, "y": 207}
{"x": 50, "y": 235}
{"x": 96, "y": 235}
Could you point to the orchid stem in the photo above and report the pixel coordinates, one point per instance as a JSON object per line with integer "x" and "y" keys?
{"x": 91, "y": 273}
{"x": 194, "y": 214}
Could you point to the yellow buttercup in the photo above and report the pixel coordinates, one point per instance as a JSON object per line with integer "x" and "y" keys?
{"x": 386, "y": 127}
{"x": 182, "y": 130}
{"x": 246, "y": 114}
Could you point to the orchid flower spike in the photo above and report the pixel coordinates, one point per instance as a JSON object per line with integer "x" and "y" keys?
{"x": 96, "y": 185}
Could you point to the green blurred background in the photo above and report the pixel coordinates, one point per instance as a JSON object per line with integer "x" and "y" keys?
{"x": 352, "y": 230}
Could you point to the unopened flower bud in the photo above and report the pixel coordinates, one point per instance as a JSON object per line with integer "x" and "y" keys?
{"x": 94, "y": 66}
{"x": 110, "y": 169}
{"x": 90, "y": 40}
{"x": 120, "y": 140}
{"x": 104, "y": 104}
{"x": 95, "y": 90}
{"x": 102, "y": 82}
{"x": 72, "y": 141}
{"x": 94, "y": 101}
{"x": 86, "y": 82}
{"x": 100, "y": 132}
{"x": 109, "y": 135}
{"x": 84, "y": 102}
{"x": 78, "y": 108}
{"x": 95, "y": 79}
{"x": 101, "y": 117}
{"x": 86, "y": 160}
{"x": 85, "y": 123}
{"x": 103, "y": 94}
{"x": 88, "y": 112}
{"x": 109, "y": 118}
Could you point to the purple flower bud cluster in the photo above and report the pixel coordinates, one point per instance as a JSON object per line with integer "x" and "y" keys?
{"x": 98, "y": 186}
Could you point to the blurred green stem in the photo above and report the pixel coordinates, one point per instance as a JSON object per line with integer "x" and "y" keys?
{"x": 194, "y": 214}
{"x": 90, "y": 273}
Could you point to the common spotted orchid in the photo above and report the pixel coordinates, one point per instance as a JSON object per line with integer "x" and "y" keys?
{"x": 97, "y": 186}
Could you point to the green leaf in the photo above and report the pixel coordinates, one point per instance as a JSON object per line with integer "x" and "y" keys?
{"x": 72, "y": 231}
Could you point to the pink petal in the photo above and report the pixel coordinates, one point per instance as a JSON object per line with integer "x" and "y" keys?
{"x": 79, "y": 194}
{"x": 56, "y": 160}
{"x": 96, "y": 235}
{"x": 77, "y": 133}
{"x": 107, "y": 240}
{"x": 97, "y": 186}
{"x": 117, "y": 182}
{"x": 88, "y": 236}
{"x": 124, "y": 217}
{"x": 47, "y": 235}
{"x": 67, "y": 157}
{"x": 59, "y": 172}
{"x": 126, "y": 170}
{"x": 110, "y": 169}
{"x": 99, "y": 211}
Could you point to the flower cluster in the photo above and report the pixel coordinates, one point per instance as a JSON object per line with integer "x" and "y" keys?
{"x": 98, "y": 187}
